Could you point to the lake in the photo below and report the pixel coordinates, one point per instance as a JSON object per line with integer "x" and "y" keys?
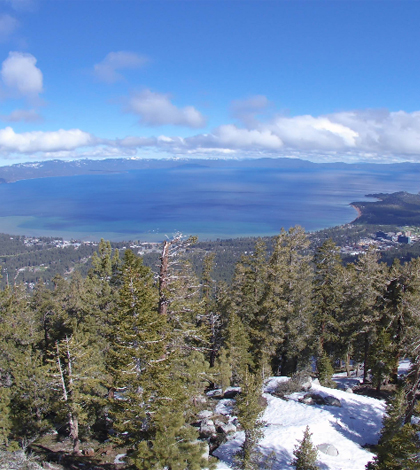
{"x": 206, "y": 201}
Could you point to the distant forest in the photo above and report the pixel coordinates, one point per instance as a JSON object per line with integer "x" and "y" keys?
{"x": 24, "y": 261}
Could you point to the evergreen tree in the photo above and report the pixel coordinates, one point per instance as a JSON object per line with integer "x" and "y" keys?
{"x": 223, "y": 374}
{"x": 382, "y": 358}
{"x": 305, "y": 453}
{"x": 402, "y": 315}
{"x": 247, "y": 290}
{"x": 155, "y": 373}
{"x": 286, "y": 304}
{"x": 399, "y": 445}
{"x": 210, "y": 316}
{"x": 5, "y": 416}
{"x": 366, "y": 304}
{"x": 328, "y": 297}
{"x": 249, "y": 411}
{"x": 325, "y": 370}
{"x": 78, "y": 376}
{"x": 237, "y": 349}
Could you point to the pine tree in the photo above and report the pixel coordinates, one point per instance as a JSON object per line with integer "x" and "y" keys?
{"x": 305, "y": 453}
{"x": 382, "y": 358}
{"x": 5, "y": 416}
{"x": 286, "y": 304}
{"x": 246, "y": 295}
{"x": 325, "y": 370}
{"x": 249, "y": 411}
{"x": 156, "y": 373}
{"x": 328, "y": 297}
{"x": 399, "y": 445}
{"x": 365, "y": 304}
{"x": 402, "y": 314}
{"x": 210, "y": 316}
{"x": 136, "y": 359}
{"x": 237, "y": 349}
{"x": 77, "y": 374}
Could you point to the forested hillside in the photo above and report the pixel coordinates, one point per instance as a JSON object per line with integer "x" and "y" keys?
{"x": 118, "y": 362}
{"x": 30, "y": 260}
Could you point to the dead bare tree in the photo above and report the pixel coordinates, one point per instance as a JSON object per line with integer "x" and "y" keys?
{"x": 170, "y": 251}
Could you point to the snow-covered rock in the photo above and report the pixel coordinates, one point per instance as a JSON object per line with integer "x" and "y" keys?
{"x": 205, "y": 414}
{"x": 328, "y": 449}
{"x": 226, "y": 428}
{"x": 404, "y": 367}
{"x": 217, "y": 393}
{"x": 225, "y": 407}
{"x": 207, "y": 428}
{"x": 119, "y": 459}
{"x": 307, "y": 384}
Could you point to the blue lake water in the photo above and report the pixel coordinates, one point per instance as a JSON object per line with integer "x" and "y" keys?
{"x": 208, "y": 202}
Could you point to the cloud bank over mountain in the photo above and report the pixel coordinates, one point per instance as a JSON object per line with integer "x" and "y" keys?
{"x": 369, "y": 135}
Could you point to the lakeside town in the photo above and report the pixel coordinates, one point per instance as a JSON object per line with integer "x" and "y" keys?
{"x": 382, "y": 241}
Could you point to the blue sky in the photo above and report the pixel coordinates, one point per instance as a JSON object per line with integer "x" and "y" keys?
{"x": 323, "y": 80}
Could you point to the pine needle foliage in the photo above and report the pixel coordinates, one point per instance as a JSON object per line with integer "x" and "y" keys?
{"x": 305, "y": 453}
{"x": 249, "y": 411}
{"x": 399, "y": 445}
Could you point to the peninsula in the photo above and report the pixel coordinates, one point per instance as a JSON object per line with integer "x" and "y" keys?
{"x": 399, "y": 208}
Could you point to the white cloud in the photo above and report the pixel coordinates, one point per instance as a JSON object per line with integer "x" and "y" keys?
{"x": 8, "y": 26}
{"x": 37, "y": 141}
{"x": 350, "y": 136}
{"x": 231, "y": 137}
{"x": 106, "y": 70}
{"x": 312, "y": 133}
{"x": 20, "y": 74}
{"x": 156, "y": 109}
{"x": 369, "y": 135}
{"x": 22, "y": 115}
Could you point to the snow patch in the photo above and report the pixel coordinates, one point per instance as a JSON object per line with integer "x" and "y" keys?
{"x": 356, "y": 423}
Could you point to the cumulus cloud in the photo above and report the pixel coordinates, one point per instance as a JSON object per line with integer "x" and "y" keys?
{"x": 21, "y": 75}
{"x": 8, "y": 26}
{"x": 22, "y": 115}
{"x": 107, "y": 70}
{"x": 317, "y": 133}
{"x": 38, "y": 141}
{"x": 348, "y": 136}
{"x": 368, "y": 135}
{"x": 156, "y": 109}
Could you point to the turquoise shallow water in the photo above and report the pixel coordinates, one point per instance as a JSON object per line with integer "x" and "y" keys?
{"x": 208, "y": 202}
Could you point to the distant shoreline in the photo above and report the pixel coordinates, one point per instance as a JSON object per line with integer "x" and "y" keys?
{"x": 359, "y": 212}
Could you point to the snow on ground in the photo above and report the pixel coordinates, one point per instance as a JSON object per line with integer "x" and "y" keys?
{"x": 404, "y": 366}
{"x": 356, "y": 423}
{"x": 343, "y": 382}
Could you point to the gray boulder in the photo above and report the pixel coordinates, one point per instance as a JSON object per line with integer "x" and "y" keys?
{"x": 313, "y": 399}
{"x": 317, "y": 399}
{"x": 327, "y": 449}
{"x": 332, "y": 401}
